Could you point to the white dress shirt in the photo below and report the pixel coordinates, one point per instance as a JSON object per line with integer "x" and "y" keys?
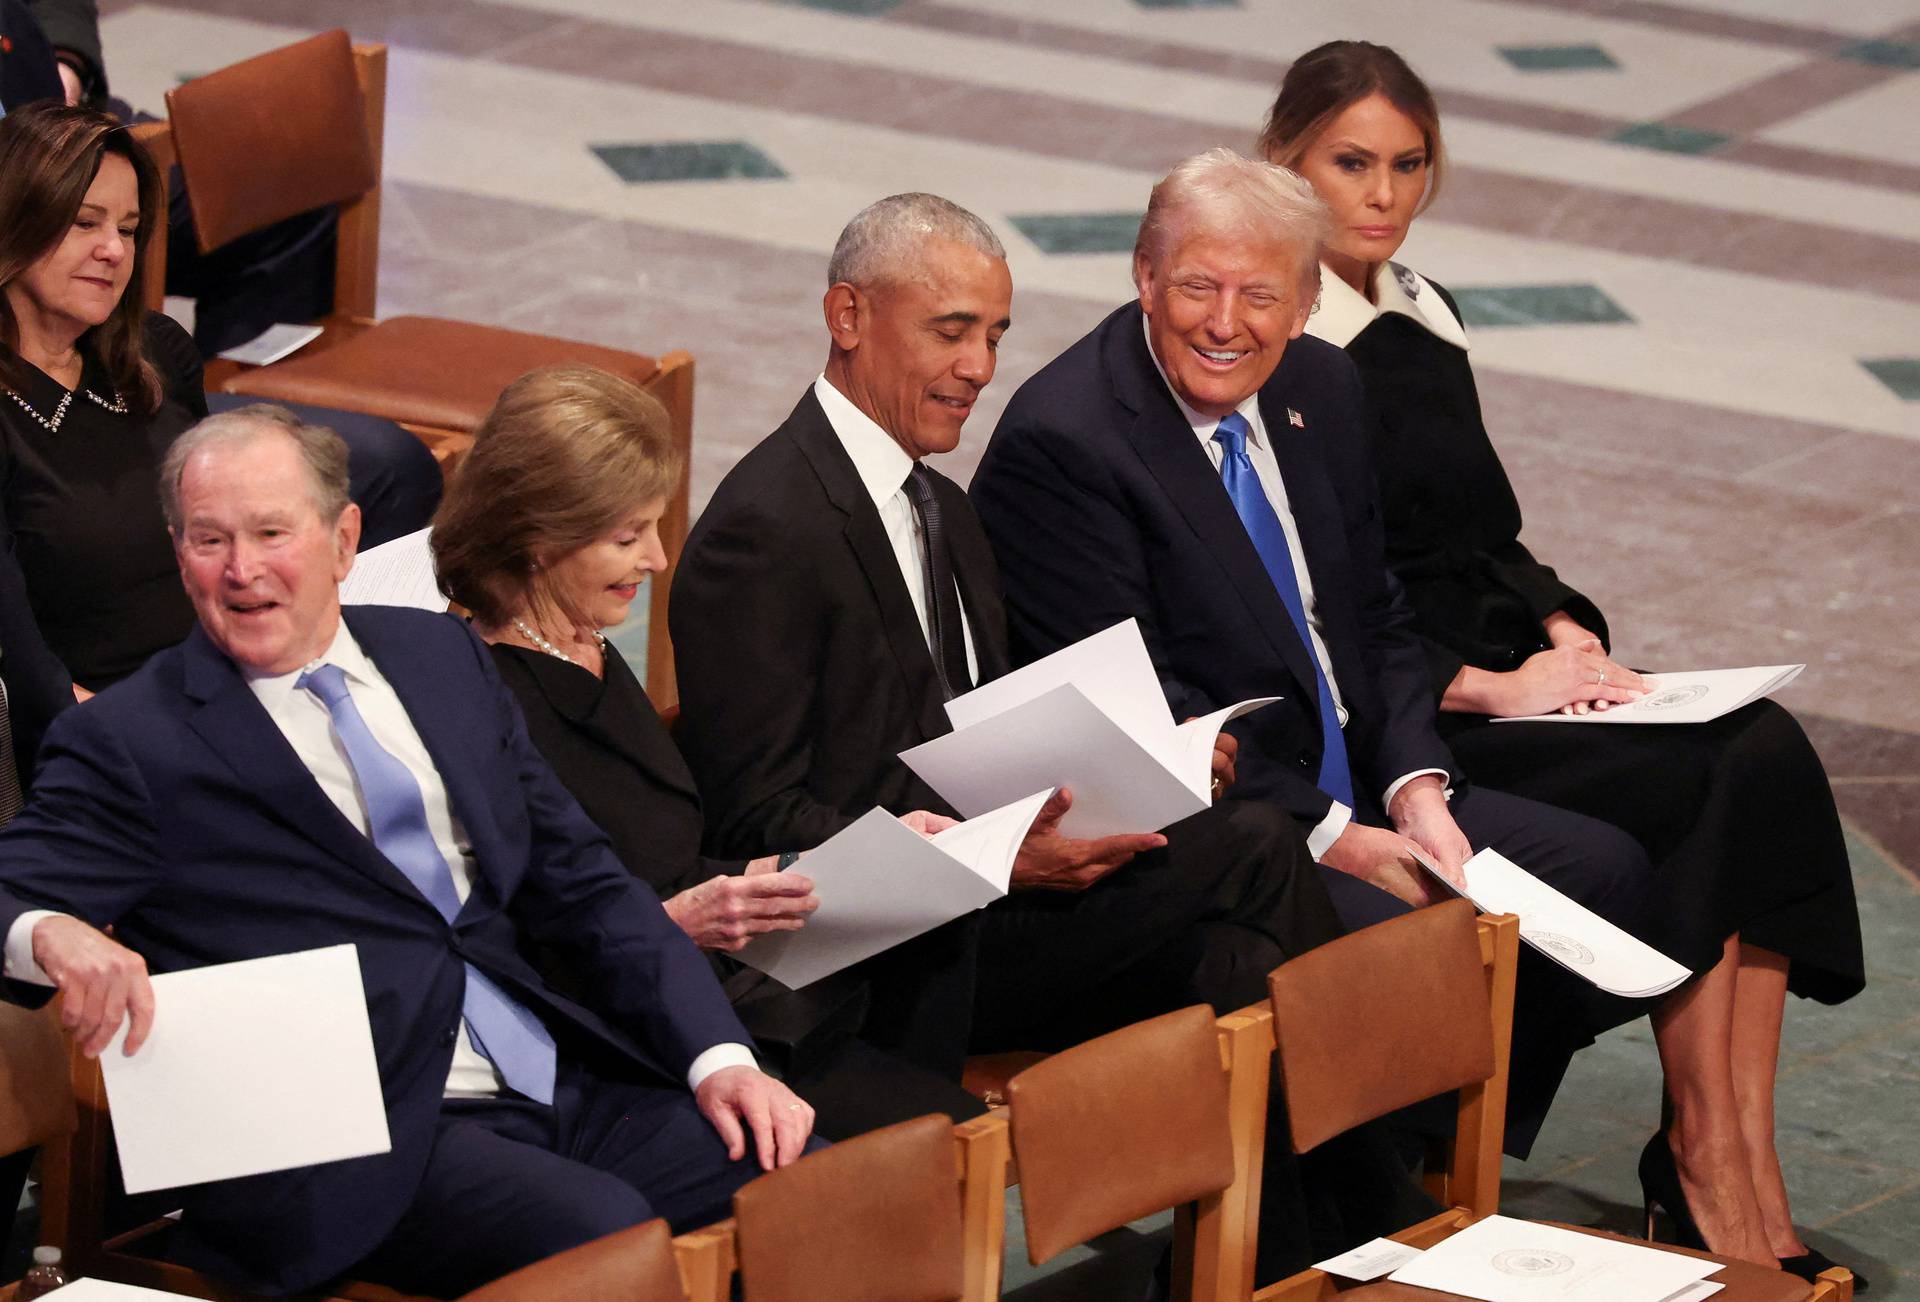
{"x": 303, "y": 720}
{"x": 883, "y": 467}
{"x": 1267, "y": 467}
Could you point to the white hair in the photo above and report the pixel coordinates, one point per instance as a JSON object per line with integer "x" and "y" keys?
{"x": 1233, "y": 195}
{"x": 322, "y": 453}
{"x": 878, "y": 245}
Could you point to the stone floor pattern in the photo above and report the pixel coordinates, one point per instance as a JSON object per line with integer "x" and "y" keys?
{"x": 1686, "y": 232}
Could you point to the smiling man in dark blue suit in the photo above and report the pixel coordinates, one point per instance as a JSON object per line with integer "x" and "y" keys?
{"x": 1197, "y": 464}
{"x": 289, "y": 778}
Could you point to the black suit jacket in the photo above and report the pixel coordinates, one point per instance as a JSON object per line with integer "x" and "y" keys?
{"x": 172, "y": 807}
{"x": 1101, "y": 504}
{"x": 803, "y": 669}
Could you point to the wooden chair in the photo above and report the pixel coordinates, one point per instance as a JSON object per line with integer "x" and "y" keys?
{"x": 302, "y": 127}
{"x": 36, "y": 1107}
{"x": 632, "y": 1265}
{"x": 1403, "y": 1011}
{"x": 1127, "y": 1124}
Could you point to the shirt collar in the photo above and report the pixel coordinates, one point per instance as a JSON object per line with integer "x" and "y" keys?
{"x": 882, "y": 464}
{"x": 1344, "y": 311}
{"x": 1204, "y": 426}
{"x": 342, "y": 651}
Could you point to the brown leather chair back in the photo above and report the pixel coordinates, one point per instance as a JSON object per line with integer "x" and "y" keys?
{"x": 874, "y": 1219}
{"x": 631, "y": 1265}
{"x": 1122, "y": 1126}
{"x": 1388, "y": 1016}
{"x": 272, "y": 136}
{"x": 36, "y": 1097}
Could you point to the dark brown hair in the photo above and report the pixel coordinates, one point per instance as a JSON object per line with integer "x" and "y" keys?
{"x": 564, "y": 456}
{"x": 1329, "y": 79}
{"x": 49, "y": 156}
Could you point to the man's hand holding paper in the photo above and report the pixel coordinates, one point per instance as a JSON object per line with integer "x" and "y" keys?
{"x": 101, "y": 983}
{"x": 1050, "y": 861}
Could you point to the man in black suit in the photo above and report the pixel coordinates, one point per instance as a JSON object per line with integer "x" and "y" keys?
{"x": 836, "y": 592}
{"x": 291, "y": 777}
{"x": 1197, "y": 464}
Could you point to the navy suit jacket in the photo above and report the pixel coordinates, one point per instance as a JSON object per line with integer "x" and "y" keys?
{"x": 172, "y": 807}
{"x": 1101, "y": 504}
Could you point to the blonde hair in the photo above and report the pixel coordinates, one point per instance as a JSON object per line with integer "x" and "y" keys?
{"x": 1238, "y": 194}
{"x": 564, "y": 457}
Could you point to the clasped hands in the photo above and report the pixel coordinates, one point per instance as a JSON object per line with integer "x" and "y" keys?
{"x": 1384, "y": 858}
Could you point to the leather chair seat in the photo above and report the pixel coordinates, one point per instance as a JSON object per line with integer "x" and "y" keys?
{"x": 421, "y": 370}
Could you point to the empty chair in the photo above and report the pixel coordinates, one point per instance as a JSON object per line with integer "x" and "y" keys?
{"x": 874, "y": 1219}
{"x": 631, "y": 1265}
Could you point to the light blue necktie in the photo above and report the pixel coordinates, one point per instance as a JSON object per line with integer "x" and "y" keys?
{"x": 1270, "y": 540}
{"x": 512, "y": 1038}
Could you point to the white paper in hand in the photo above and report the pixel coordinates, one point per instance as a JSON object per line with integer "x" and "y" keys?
{"x": 1565, "y": 930}
{"x": 102, "y": 1290}
{"x": 255, "y": 1066}
{"x": 880, "y": 883}
{"x": 1692, "y": 696}
{"x": 1091, "y": 717}
{"x": 399, "y": 572}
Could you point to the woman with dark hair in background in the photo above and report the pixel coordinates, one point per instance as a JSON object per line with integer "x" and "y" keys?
{"x": 1753, "y": 889}
{"x": 93, "y": 389}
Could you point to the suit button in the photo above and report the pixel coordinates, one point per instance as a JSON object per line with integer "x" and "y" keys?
{"x": 453, "y": 1034}
{"x": 1304, "y": 759}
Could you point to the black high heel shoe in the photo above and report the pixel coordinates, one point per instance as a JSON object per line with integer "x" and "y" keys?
{"x": 1660, "y": 1189}
{"x": 1810, "y": 1263}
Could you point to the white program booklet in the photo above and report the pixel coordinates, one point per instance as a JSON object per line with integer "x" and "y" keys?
{"x": 272, "y": 344}
{"x": 880, "y": 883}
{"x": 1369, "y": 1261}
{"x": 1695, "y": 696}
{"x": 1565, "y": 930}
{"x": 254, "y": 1066}
{"x": 1501, "y": 1259}
{"x": 1091, "y": 717}
{"x": 102, "y": 1290}
{"x": 398, "y": 572}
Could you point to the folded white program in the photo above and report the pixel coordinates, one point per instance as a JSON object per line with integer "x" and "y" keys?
{"x": 1692, "y": 696}
{"x": 1501, "y": 1259}
{"x": 880, "y": 883}
{"x": 1566, "y": 931}
{"x": 1090, "y": 717}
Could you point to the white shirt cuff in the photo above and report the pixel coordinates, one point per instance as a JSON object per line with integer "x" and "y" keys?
{"x": 1322, "y": 837}
{"x": 1386, "y": 801}
{"x": 20, "y": 964}
{"x": 720, "y": 1055}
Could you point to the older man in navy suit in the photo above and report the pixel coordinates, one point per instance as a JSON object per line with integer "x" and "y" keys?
{"x": 288, "y": 778}
{"x": 1196, "y": 463}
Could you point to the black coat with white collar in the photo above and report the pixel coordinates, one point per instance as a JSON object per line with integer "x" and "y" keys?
{"x": 1102, "y": 505}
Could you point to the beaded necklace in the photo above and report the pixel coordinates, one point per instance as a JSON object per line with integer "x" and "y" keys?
{"x": 118, "y": 407}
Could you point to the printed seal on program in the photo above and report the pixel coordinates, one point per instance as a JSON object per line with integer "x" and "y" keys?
{"x": 1564, "y": 948}
{"x": 1673, "y": 698}
{"x": 1532, "y": 1263}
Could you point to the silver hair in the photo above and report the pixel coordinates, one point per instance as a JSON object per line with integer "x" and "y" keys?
{"x": 323, "y": 452}
{"x": 1240, "y": 196}
{"x": 878, "y": 245}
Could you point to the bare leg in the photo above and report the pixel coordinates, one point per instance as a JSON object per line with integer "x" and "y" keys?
{"x": 1694, "y": 1029}
{"x": 1759, "y": 1003}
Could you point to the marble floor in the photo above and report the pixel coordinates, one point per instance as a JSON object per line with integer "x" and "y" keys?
{"x": 1687, "y": 233}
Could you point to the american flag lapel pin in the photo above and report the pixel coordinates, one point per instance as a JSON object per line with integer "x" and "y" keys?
{"x": 1293, "y": 419}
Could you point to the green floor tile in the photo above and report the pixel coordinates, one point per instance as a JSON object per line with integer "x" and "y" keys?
{"x": 1670, "y": 138}
{"x": 1882, "y": 54}
{"x": 1901, "y": 374}
{"x": 687, "y": 160}
{"x": 1558, "y": 58}
{"x": 1532, "y": 305}
{"x": 1080, "y": 232}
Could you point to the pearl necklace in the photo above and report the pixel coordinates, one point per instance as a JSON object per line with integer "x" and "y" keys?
{"x": 118, "y": 407}
{"x": 549, "y": 647}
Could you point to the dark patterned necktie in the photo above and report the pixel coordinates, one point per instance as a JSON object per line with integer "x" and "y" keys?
{"x": 946, "y": 638}
{"x": 9, "y": 780}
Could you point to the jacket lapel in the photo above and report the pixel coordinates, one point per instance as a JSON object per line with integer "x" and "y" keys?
{"x": 1165, "y": 442}
{"x": 237, "y": 728}
{"x": 867, "y": 538}
{"x": 651, "y": 750}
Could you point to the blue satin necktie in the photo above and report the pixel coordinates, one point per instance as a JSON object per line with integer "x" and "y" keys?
{"x": 1270, "y": 540}
{"x": 512, "y": 1038}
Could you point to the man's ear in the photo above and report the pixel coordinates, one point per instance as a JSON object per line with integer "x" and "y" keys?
{"x": 346, "y": 541}
{"x": 846, "y": 311}
{"x": 1143, "y": 279}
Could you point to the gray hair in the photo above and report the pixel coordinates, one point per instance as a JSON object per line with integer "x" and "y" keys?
{"x": 323, "y": 452}
{"x": 877, "y": 246}
{"x": 1239, "y": 196}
